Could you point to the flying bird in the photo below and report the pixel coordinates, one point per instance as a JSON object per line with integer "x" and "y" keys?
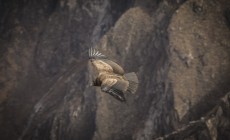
{"x": 110, "y": 76}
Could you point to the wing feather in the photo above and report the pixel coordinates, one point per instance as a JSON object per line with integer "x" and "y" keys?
{"x": 102, "y": 66}
{"x": 116, "y": 68}
{"x": 115, "y": 87}
{"x": 107, "y": 64}
{"x": 94, "y": 54}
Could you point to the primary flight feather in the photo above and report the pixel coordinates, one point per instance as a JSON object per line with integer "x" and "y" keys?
{"x": 110, "y": 76}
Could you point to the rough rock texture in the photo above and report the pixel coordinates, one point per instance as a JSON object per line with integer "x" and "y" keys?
{"x": 179, "y": 49}
{"x": 199, "y": 45}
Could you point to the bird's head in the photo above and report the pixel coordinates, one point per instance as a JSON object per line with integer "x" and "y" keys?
{"x": 96, "y": 82}
{"x": 92, "y": 60}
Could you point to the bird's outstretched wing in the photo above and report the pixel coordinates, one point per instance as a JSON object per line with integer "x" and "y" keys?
{"x": 115, "y": 87}
{"x": 104, "y": 63}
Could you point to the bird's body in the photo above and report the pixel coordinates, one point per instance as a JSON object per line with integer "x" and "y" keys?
{"x": 110, "y": 76}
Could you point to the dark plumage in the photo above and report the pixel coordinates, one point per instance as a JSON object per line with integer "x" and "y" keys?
{"x": 110, "y": 76}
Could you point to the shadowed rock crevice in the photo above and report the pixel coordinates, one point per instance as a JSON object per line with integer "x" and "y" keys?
{"x": 227, "y": 16}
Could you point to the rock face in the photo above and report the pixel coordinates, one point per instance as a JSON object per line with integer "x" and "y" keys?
{"x": 179, "y": 49}
{"x": 199, "y": 43}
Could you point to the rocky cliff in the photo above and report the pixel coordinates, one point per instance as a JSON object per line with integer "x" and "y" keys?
{"x": 180, "y": 50}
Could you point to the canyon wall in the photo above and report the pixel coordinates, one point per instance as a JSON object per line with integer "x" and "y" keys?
{"x": 180, "y": 50}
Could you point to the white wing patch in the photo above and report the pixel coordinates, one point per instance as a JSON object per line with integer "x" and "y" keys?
{"x": 102, "y": 66}
{"x": 110, "y": 82}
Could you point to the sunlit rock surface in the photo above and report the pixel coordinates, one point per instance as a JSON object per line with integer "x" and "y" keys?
{"x": 199, "y": 46}
{"x": 179, "y": 49}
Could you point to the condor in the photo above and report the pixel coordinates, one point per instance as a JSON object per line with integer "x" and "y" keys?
{"x": 110, "y": 76}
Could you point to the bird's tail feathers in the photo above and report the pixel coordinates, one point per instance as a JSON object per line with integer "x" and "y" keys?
{"x": 133, "y": 82}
